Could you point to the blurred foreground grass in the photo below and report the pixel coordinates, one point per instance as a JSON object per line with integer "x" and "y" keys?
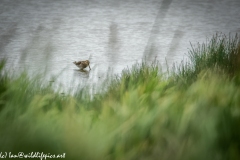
{"x": 192, "y": 114}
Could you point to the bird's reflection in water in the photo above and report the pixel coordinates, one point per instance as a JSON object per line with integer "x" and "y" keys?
{"x": 82, "y": 73}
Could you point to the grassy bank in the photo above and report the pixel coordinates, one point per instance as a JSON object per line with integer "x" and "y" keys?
{"x": 192, "y": 114}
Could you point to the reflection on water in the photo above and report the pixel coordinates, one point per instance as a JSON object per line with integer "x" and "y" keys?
{"x": 81, "y": 73}
{"x": 47, "y": 36}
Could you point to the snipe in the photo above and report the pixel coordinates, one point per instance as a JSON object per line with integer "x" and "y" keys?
{"x": 82, "y": 64}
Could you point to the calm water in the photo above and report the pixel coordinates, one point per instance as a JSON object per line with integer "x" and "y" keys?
{"x": 45, "y": 36}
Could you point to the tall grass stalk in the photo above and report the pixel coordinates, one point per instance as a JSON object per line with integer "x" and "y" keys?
{"x": 221, "y": 51}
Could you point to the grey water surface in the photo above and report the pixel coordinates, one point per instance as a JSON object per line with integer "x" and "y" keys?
{"x": 46, "y": 36}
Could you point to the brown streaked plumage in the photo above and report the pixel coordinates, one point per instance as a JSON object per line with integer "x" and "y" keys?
{"x": 82, "y": 64}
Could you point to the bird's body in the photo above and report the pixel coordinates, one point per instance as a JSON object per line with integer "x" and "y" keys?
{"x": 82, "y": 64}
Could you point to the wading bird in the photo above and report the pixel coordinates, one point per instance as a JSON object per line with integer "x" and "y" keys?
{"x": 82, "y": 64}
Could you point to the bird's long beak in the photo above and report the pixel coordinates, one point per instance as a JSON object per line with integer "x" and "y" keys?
{"x": 89, "y": 67}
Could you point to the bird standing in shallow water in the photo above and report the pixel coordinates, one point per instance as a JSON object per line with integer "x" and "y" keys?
{"x": 82, "y": 64}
